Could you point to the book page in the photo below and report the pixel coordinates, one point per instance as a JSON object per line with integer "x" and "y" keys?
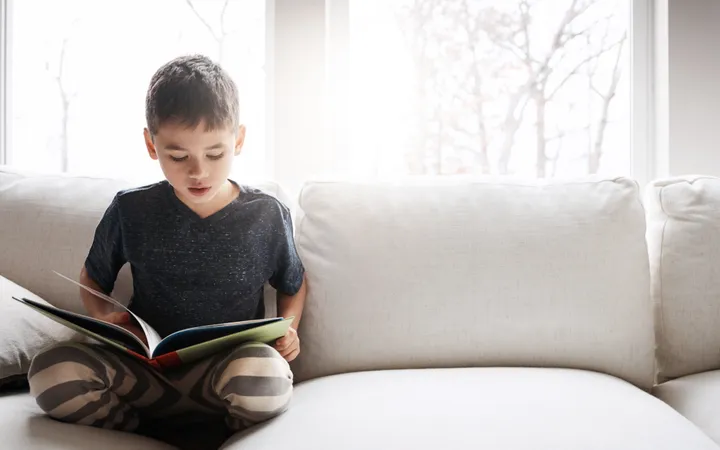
{"x": 152, "y": 336}
{"x": 197, "y": 335}
{"x": 266, "y": 333}
{"x": 97, "y": 329}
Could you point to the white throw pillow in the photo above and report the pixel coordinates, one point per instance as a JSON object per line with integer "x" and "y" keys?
{"x": 24, "y": 333}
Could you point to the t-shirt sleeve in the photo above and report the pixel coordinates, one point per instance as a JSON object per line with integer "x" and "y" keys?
{"x": 288, "y": 271}
{"x": 106, "y": 256}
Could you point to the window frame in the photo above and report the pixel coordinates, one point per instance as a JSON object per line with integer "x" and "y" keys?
{"x": 644, "y": 152}
{"x": 5, "y": 92}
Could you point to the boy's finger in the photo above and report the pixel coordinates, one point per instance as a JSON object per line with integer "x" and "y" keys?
{"x": 292, "y": 355}
{"x": 288, "y": 349}
{"x": 118, "y": 317}
{"x": 285, "y": 340}
{"x": 281, "y": 344}
{"x": 114, "y": 318}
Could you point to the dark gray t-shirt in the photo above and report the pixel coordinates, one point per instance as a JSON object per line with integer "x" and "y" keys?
{"x": 189, "y": 271}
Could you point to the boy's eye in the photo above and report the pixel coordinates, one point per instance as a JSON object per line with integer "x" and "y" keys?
{"x": 176, "y": 159}
{"x": 216, "y": 157}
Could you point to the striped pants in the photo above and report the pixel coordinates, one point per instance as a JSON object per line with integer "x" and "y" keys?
{"x": 93, "y": 385}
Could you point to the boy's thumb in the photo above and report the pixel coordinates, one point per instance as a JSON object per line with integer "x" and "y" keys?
{"x": 120, "y": 317}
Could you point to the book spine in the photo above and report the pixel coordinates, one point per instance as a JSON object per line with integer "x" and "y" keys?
{"x": 166, "y": 361}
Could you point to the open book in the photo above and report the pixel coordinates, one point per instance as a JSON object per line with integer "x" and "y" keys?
{"x": 181, "y": 347}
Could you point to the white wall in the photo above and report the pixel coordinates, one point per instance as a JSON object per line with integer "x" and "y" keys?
{"x": 693, "y": 95}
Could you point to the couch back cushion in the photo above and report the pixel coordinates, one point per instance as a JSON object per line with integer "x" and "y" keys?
{"x": 684, "y": 247}
{"x": 47, "y": 223}
{"x": 464, "y": 273}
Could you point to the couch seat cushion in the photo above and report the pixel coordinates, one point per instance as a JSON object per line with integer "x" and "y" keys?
{"x": 479, "y": 408}
{"x": 696, "y": 397}
{"x": 24, "y": 426}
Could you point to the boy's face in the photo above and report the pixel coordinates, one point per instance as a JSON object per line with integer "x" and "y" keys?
{"x": 196, "y": 162}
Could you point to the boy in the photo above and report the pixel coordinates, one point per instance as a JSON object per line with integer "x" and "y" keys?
{"x": 200, "y": 247}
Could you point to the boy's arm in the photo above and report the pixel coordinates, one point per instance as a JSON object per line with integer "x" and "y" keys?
{"x": 288, "y": 272}
{"x": 105, "y": 259}
{"x": 287, "y": 306}
{"x": 95, "y": 307}
{"x": 292, "y": 305}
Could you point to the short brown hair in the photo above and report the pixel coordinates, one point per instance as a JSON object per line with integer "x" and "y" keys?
{"x": 190, "y": 89}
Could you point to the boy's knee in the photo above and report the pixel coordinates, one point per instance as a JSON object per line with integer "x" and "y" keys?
{"x": 255, "y": 382}
{"x": 63, "y": 374}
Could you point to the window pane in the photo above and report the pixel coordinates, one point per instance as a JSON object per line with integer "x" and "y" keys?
{"x": 524, "y": 87}
{"x": 80, "y": 70}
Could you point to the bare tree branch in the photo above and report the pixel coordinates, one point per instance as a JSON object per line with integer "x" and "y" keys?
{"x": 538, "y": 78}
{"x": 202, "y": 20}
{"x": 525, "y": 17}
{"x": 595, "y": 156}
{"x": 65, "y": 100}
{"x": 540, "y": 139}
{"x": 451, "y": 82}
{"x": 558, "y": 42}
{"x": 414, "y": 27}
{"x": 511, "y": 124}
{"x": 595, "y": 90}
{"x": 222, "y": 36}
{"x": 222, "y": 19}
{"x": 581, "y": 64}
{"x": 478, "y": 102}
{"x": 554, "y": 160}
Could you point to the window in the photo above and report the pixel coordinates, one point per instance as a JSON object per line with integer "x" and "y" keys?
{"x": 79, "y": 70}
{"x": 375, "y": 88}
{"x": 535, "y": 88}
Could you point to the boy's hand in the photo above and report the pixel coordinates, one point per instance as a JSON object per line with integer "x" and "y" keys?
{"x": 123, "y": 319}
{"x": 289, "y": 345}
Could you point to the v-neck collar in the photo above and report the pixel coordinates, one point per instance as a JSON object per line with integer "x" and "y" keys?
{"x": 185, "y": 210}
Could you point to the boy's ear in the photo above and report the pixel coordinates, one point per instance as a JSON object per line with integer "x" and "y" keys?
{"x": 152, "y": 151}
{"x": 240, "y": 140}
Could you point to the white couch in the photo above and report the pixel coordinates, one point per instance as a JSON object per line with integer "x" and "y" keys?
{"x": 465, "y": 314}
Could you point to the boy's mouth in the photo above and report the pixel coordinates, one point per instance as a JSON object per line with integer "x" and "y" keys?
{"x": 198, "y": 191}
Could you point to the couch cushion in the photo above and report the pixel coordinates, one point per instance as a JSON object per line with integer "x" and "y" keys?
{"x": 696, "y": 397}
{"x": 492, "y": 408}
{"x": 462, "y": 273}
{"x": 24, "y": 332}
{"x": 23, "y": 426}
{"x": 47, "y": 223}
{"x": 684, "y": 246}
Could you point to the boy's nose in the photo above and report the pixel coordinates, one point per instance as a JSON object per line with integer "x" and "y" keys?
{"x": 198, "y": 170}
